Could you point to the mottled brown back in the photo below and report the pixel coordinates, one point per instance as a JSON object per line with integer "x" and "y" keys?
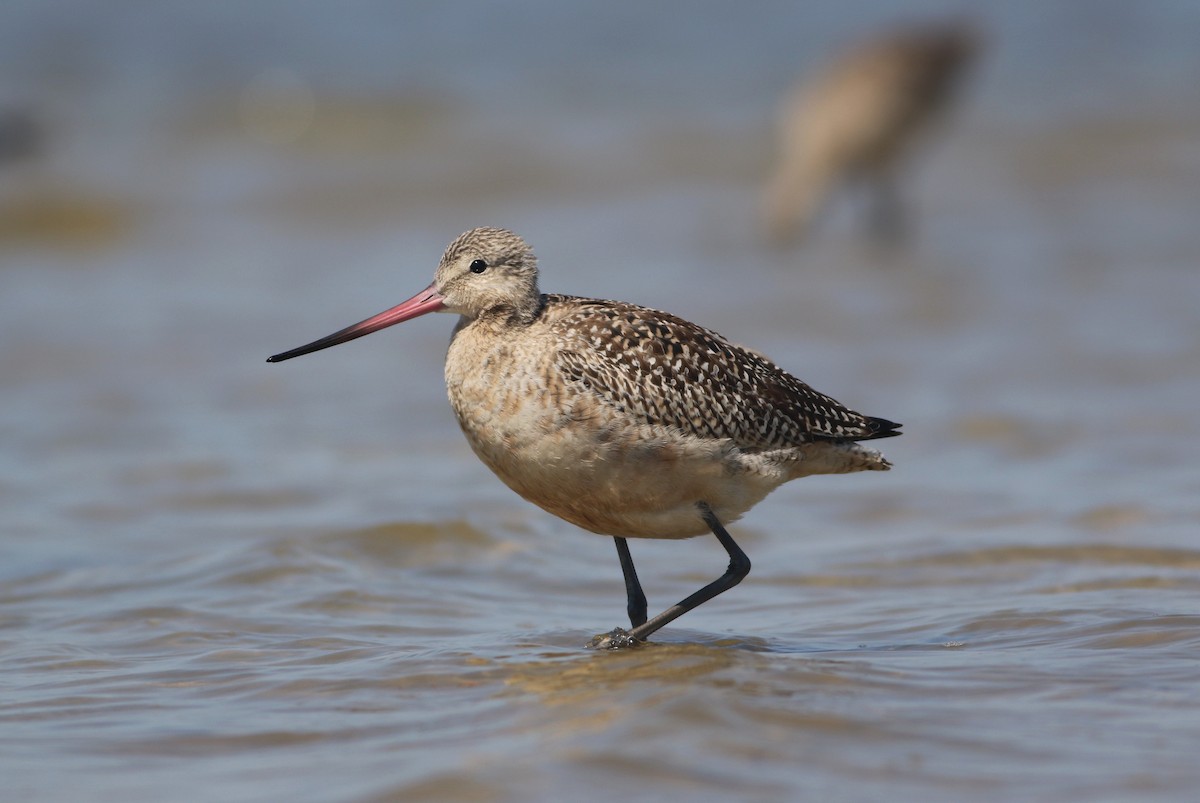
{"x": 669, "y": 372}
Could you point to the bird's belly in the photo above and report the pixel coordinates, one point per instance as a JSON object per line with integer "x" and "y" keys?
{"x": 607, "y": 476}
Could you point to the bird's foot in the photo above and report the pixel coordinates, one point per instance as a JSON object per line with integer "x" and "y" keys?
{"x": 617, "y": 639}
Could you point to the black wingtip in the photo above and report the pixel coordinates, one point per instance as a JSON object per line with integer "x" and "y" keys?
{"x": 882, "y": 428}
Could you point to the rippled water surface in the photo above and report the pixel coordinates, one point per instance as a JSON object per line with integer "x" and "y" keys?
{"x": 226, "y": 580}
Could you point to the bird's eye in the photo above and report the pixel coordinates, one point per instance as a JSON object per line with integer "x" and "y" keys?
{"x": 478, "y": 266}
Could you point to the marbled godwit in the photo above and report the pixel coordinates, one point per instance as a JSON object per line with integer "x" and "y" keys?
{"x": 623, "y": 420}
{"x": 858, "y": 120}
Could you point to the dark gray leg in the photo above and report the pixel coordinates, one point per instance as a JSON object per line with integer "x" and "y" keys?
{"x": 886, "y": 218}
{"x": 633, "y": 588}
{"x": 739, "y": 567}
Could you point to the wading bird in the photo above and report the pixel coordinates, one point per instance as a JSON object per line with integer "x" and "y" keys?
{"x": 857, "y": 122}
{"x": 622, "y": 420}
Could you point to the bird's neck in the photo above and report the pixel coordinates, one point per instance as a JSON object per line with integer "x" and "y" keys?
{"x": 509, "y": 317}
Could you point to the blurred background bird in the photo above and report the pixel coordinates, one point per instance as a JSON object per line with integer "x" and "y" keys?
{"x": 856, "y": 122}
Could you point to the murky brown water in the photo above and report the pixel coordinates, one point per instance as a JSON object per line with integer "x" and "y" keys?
{"x": 224, "y": 580}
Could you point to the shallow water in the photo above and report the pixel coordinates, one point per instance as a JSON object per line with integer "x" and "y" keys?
{"x": 226, "y": 580}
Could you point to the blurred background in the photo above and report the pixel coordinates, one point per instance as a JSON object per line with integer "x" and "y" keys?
{"x": 220, "y": 578}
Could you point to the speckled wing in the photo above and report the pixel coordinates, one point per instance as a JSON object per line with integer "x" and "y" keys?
{"x": 667, "y": 371}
